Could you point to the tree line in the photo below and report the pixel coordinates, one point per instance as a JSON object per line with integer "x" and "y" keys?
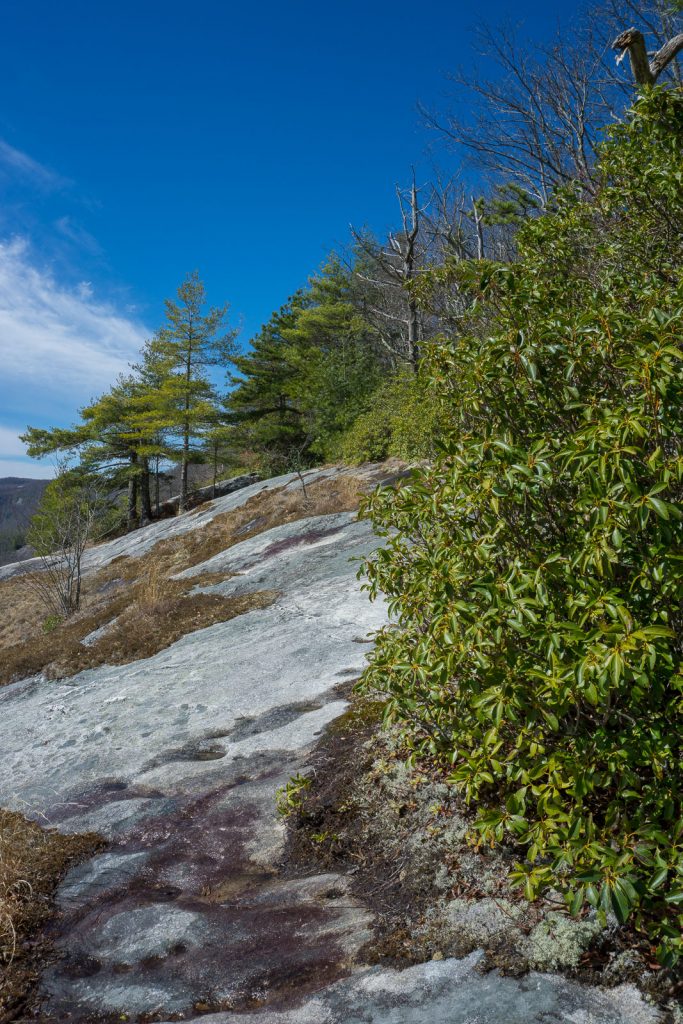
{"x": 335, "y": 373}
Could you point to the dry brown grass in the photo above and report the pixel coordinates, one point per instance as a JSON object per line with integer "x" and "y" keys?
{"x": 141, "y": 627}
{"x": 260, "y": 513}
{"x": 151, "y": 610}
{"x": 32, "y": 861}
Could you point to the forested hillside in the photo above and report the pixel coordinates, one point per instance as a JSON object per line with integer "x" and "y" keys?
{"x": 18, "y": 501}
{"x": 517, "y": 337}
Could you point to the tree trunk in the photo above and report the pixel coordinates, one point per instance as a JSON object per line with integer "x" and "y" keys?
{"x": 479, "y": 225}
{"x": 182, "y": 503}
{"x": 77, "y": 594}
{"x": 145, "y": 497}
{"x": 157, "y": 501}
{"x": 413, "y": 335}
{"x": 664, "y": 57}
{"x": 132, "y": 492}
{"x": 409, "y": 272}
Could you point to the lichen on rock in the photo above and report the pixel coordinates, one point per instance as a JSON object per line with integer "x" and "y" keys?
{"x": 558, "y": 941}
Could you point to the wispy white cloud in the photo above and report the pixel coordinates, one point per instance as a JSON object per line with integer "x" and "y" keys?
{"x": 76, "y": 234}
{"x": 58, "y": 346}
{"x": 23, "y": 166}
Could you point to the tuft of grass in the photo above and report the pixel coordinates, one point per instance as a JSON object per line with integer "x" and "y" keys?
{"x": 32, "y": 862}
{"x": 51, "y": 623}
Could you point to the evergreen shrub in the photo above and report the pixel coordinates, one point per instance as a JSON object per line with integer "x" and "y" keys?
{"x": 534, "y": 570}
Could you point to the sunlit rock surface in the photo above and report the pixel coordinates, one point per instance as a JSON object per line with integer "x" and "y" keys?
{"x": 455, "y": 992}
{"x": 176, "y": 760}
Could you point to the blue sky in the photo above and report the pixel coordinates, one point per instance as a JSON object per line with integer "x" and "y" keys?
{"x": 139, "y": 141}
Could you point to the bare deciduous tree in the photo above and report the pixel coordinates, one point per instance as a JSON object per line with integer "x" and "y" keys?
{"x": 455, "y": 229}
{"x": 59, "y": 533}
{"x": 440, "y": 223}
{"x": 453, "y": 224}
{"x": 388, "y": 271}
{"x": 537, "y": 119}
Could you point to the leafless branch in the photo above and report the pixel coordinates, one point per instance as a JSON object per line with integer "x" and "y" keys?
{"x": 59, "y": 534}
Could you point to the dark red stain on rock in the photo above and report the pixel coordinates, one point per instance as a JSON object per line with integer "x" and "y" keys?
{"x": 253, "y": 939}
{"x": 297, "y": 540}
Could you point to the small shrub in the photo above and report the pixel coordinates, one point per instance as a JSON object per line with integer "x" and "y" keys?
{"x": 289, "y": 797}
{"x": 51, "y": 623}
{"x": 66, "y": 519}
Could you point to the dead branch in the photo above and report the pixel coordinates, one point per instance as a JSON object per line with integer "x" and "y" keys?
{"x": 645, "y": 71}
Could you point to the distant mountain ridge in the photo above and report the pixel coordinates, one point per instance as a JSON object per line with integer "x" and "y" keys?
{"x": 19, "y": 498}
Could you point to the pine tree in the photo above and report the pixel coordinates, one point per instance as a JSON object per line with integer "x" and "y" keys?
{"x": 309, "y": 374}
{"x": 112, "y": 441}
{"x": 189, "y": 343}
{"x": 121, "y": 433}
{"x": 152, "y": 416}
{"x": 261, "y": 405}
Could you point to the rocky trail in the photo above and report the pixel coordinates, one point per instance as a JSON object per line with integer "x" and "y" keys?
{"x": 175, "y": 759}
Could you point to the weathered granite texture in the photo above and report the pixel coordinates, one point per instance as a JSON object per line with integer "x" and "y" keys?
{"x": 176, "y": 759}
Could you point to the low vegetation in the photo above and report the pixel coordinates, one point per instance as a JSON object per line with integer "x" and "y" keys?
{"x": 401, "y": 421}
{"x": 403, "y": 836}
{"x": 32, "y": 862}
